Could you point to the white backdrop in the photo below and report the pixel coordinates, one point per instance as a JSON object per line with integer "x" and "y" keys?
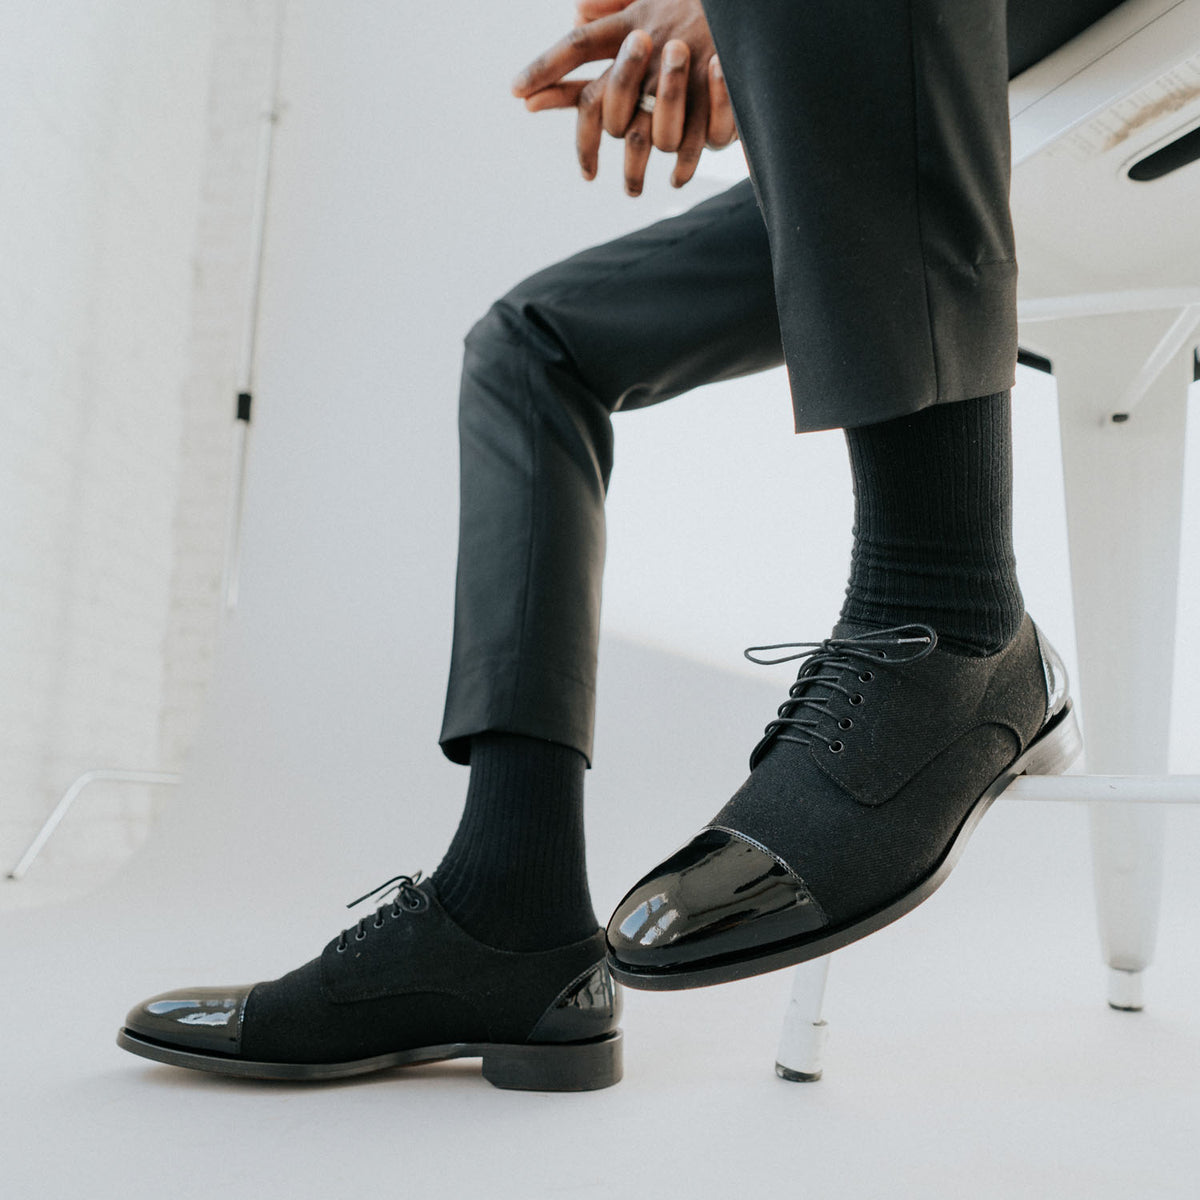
{"x": 410, "y": 190}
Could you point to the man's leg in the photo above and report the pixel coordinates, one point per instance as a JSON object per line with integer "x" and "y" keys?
{"x": 624, "y": 325}
{"x": 498, "y": 956}
{"x": 877, "y": 135}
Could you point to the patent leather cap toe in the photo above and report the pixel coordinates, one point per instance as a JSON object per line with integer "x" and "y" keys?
{"x": 720, "y": 896}
{"x": 203, "y": 1019}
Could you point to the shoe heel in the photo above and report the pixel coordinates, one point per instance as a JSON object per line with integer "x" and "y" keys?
{"x": 1057, "y": 748}
{"x": 547, "y": 1067}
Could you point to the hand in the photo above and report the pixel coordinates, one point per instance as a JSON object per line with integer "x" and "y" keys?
{"x": 693, "y": 107}
{"x": 664, "y": 130}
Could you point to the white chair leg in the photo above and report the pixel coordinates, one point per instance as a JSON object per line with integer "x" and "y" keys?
{"x": 1123, "y": 483}
{"x": 802, "y": 1042}
{"x": 1127, "y": 849}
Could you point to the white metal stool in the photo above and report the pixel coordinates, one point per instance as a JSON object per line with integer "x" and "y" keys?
{"x": 1106, "y": 191}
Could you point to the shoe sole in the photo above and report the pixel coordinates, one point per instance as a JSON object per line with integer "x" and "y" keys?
{"x": 543, "y": 1067}
{"x": 1051, "y": 753}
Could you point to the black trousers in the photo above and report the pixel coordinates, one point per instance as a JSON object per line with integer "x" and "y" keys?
{"x": 871, "y": 252}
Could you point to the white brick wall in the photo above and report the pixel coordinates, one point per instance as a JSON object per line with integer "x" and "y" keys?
{"x": 243, "y": 44}
{"x": 129, "y": 145}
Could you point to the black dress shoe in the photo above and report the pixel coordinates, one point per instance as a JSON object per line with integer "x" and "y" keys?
{"x": 404, "y": 986}
{"x": 861, "y": 796}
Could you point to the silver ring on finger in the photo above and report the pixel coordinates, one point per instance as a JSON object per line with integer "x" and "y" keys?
{"x": 647, "y": 102}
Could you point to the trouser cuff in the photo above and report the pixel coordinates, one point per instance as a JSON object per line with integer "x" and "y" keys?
{"x": 511, "y": 696}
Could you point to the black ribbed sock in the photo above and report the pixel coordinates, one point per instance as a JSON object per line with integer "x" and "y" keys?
{"x": 514, "y": 876}
{"x": 933, "y": 524}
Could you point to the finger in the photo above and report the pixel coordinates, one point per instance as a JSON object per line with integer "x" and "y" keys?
{"x": 695, "y": 129}
{"x": 721, "y": 126}
{"x": 671, "y": 98}
{"x": 593, "y": 42}
{"x": 588, "y": 127}
{"x": 625, "y": 85}
{"x": 637, "y": 153}
{"x": 593, "y": 10}
{"x": 558, "y": 95}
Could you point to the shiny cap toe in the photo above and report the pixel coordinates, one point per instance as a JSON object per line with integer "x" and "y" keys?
{"x": 199, "y": 1019}
{"x": 720, "y": 895}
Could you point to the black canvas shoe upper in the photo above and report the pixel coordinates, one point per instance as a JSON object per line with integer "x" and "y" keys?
{"x": 886, "y": 743}
{"x": 405, "y": 977}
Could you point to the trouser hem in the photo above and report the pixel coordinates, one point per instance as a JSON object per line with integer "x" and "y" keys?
{"x": 517, "y": 696}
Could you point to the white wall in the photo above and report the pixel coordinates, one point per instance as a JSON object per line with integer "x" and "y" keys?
{"x": 239, "y": 78}
{"x": 410, "y": 189}
{"x": 129, "y": 144}
{"x": 103, "y": 106}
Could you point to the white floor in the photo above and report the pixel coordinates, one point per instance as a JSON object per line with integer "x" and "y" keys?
{"x": 971, "y": 1053}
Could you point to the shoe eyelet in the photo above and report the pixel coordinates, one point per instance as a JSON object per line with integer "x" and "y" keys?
{"x": 883, "y": 654}
{"x": 340, "y": 948}
{"x": 866, "y": 677}
{"x": 845, "y": 723}
{"x": 419, "y": 903}
{"x": 836, "y": 747}
{"x": 378, "y": 923}
{"x": 361, "y": 936}
{"x": 857, "y": 698}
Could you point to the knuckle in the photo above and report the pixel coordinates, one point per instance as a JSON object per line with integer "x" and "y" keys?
{"x": 636, "y": 139}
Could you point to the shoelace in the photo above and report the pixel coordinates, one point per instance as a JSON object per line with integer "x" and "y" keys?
{"x": 408, "y": 898}
{"x": 797, "y": 717}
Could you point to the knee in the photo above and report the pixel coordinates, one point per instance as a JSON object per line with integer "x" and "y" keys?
{"x": 525, "y": 321}
{"x": 495, "y": 374}
{"x": 514, "y": 362}
{"x": 520, "y": 372}
{"x": 495, "y": 334}
{"x": 503, "y": 373}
